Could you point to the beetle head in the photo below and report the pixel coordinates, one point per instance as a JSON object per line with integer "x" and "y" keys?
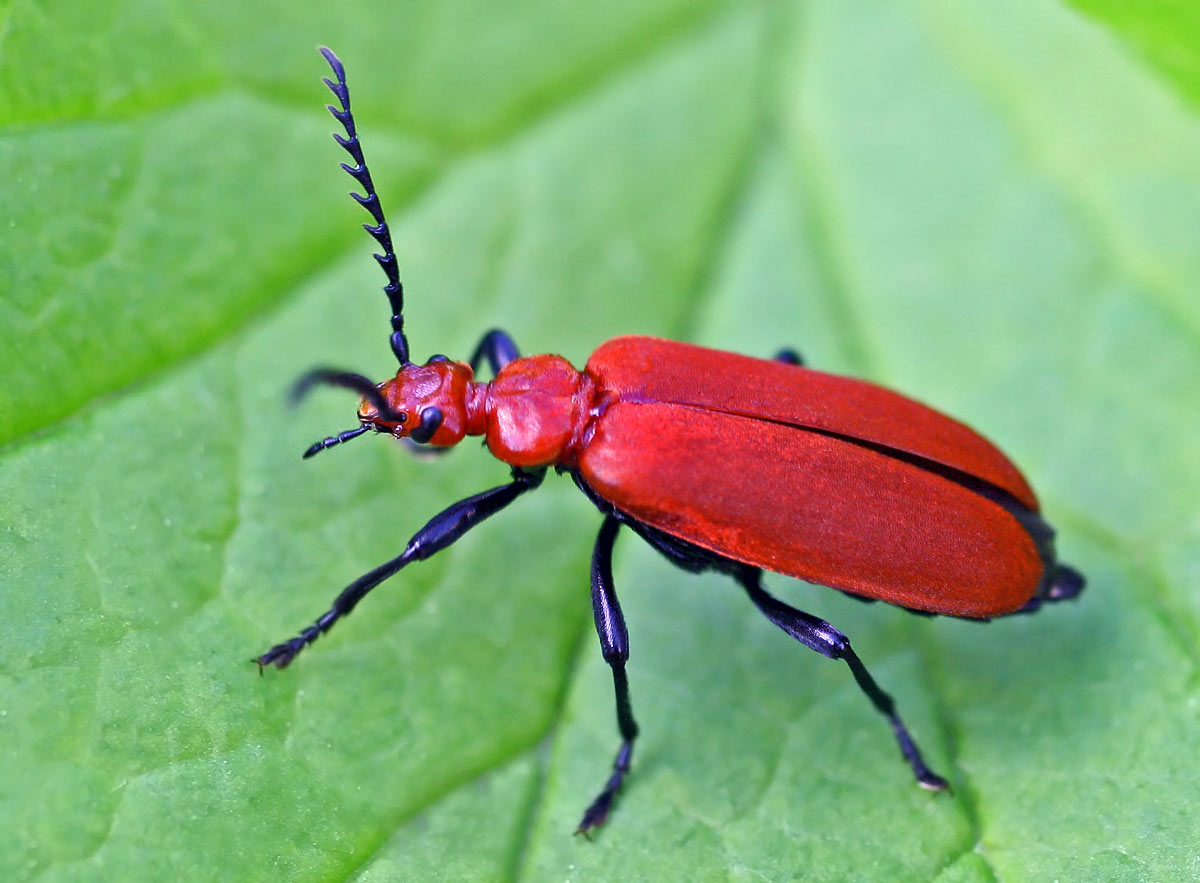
{"x": 426, "y": 403}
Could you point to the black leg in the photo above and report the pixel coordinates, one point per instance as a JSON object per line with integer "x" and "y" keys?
{"x": 442, "y": 530}
{"x": 828, "y": 641}
{"x": 498, "y": 348}
{"x": 789, "y": 356}
{"x": 614, "y": 643}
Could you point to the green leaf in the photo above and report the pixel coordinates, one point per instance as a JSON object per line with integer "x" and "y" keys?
{"x": 992, "y": 208}
{"x": 1166, "y": 32}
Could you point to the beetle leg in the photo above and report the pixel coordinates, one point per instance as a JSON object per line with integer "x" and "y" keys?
{"x": 789, "y": 356}
{"x": 825, "y": 639}
{"x": 442, "y": 530}
{"x": 614, "y": 644}
{"x": 498, "y": 348}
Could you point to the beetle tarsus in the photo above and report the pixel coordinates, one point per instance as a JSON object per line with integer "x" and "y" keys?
{"x": 597, "y": 813}
{"x": 931, "y": 781}
{"x": 279, "y": 656}
{"x": 819, "y": 635}
{"x": 440, "y": 531}
{"x": 614, "y": 645}
{"x": 926, "y": 777}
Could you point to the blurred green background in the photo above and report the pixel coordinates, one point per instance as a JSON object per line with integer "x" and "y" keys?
{"x": 994, "y": 209}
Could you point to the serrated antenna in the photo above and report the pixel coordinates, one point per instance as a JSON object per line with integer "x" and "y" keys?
{"x": 360, "y": 173}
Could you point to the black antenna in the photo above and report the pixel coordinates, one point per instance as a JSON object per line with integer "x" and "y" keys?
{"x": 347, "y": 380}
{"x": 359, "y": 172}
{"x": 361, "y": 385}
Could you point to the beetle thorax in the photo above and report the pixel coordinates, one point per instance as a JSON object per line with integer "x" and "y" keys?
{"x": 537, "y": 411}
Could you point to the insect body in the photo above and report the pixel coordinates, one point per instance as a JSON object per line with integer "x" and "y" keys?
{"x": 721, "y": 462}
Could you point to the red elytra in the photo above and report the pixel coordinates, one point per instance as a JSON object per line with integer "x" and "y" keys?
{"x": 721, "y": 462}
{"x": 727, "y": 459}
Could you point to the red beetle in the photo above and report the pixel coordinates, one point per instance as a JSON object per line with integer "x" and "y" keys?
{"x": 720, "y": 462}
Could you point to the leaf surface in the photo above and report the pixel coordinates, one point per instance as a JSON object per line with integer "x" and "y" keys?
{"x": 991, "y": 209}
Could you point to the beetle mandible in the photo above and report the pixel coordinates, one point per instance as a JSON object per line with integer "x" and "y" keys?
{"x": 838, "y": 481}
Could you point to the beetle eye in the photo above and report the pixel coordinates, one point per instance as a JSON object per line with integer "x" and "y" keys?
{"x": 431, "y": 419}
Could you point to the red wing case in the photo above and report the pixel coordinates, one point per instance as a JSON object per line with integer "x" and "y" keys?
{"x": 646, "y": 369}
{"x": 812, "y": 506}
